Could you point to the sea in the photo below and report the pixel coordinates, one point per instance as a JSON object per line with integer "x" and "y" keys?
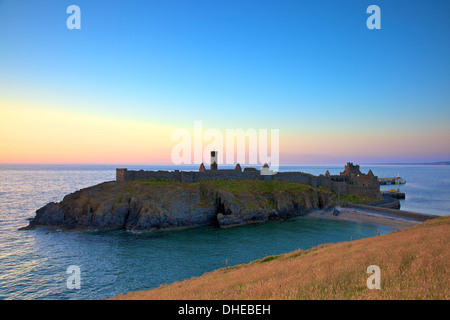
{"x": 34, "y": 264}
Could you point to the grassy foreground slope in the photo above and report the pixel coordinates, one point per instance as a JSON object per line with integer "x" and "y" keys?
{"x": 414, "y": 264}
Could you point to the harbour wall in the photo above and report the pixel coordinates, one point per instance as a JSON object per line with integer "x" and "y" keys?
{"x": 394, "y": 213}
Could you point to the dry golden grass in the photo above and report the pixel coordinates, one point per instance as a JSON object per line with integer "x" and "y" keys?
{"x": 414, "y": 265}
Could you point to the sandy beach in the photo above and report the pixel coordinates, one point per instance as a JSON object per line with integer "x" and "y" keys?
{"x": 363, "y": 216}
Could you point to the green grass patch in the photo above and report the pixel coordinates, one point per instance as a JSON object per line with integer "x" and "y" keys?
{"x": 269, "y": 258}
{"x": 271, "y": 203}
{"x": 241, "y": 186}
{"x": 296, "y": 255}
{"x": 156, "y": 181}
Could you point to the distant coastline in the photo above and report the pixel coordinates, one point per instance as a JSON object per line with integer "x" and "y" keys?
{"x": 437, "y": 163}
{"x": 113, "y": 166}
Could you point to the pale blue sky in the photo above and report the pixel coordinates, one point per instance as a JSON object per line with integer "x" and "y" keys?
{"x": 271, "y": 64}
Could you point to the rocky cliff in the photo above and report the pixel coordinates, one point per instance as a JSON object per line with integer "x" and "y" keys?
{"x": 145, "y": 205}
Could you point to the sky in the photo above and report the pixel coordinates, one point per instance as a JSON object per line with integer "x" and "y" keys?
{"x": 115, "y": 90}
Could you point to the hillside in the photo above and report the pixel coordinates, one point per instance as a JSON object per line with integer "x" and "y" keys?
{"x": 414, "y": 264}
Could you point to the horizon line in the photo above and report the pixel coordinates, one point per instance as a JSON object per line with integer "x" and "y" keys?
{"x": 443, "y": 162}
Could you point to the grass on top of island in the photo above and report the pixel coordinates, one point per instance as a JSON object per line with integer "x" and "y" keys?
{"x": 257, "y": 186}
{"x": 413, "y": 262}
{"x": 242, "y": 186}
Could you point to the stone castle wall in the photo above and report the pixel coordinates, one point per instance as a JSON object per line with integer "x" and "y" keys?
{"x": 127, "y": 175}
{"x": 364, "y": 180}
{"x": 185, "y": 176}
{"x": 193, "y": 176}
{"x": 366, "y": 191}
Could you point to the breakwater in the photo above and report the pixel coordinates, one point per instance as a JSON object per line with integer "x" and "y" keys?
{"x": 396, "y": 214}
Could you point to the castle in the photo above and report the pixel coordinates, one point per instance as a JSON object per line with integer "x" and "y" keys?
{"x": 349, "y": 182}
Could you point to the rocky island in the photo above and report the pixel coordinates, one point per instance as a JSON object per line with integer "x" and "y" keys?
{"x": 140, "y": 205}
{"x": 148, "y": 200}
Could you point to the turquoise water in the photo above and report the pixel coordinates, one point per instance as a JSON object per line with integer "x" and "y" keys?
{"x": 33, "y": 263}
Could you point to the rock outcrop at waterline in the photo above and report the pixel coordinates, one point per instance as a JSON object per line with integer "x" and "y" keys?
{"x": 147, "y": 205}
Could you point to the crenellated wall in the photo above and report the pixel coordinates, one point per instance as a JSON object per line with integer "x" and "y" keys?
{"x": 127, "y": 175}
{"x": 185, "y": 176}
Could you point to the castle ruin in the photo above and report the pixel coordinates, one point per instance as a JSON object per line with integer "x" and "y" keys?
{"x": 349, "y": 182}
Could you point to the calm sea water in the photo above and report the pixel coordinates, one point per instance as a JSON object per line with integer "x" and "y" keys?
{"x": 33, "y": 264}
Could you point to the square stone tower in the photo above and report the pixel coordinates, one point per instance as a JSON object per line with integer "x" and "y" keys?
{"x": 214, "y": 160}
